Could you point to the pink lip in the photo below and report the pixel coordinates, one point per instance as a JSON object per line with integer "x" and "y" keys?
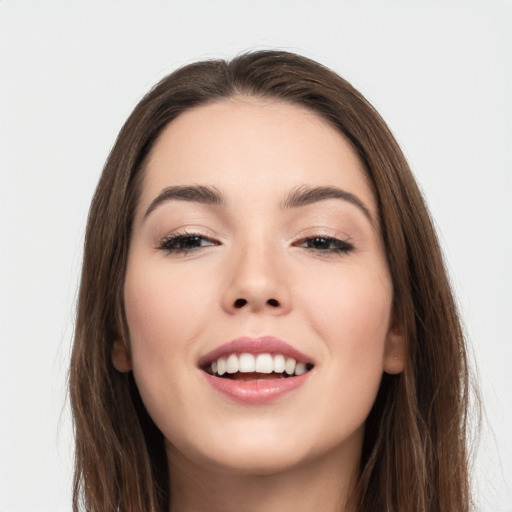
{"x": 248, "y": 345}
{"x": 254, "y": 392}
{"x": 260, "y": 391}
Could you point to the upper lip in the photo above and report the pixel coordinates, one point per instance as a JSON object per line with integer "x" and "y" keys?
{"x": 254, "y": 345}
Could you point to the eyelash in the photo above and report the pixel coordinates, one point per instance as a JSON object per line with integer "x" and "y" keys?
{"x": 174, "y": 244}
{"x": 337, "y": 246}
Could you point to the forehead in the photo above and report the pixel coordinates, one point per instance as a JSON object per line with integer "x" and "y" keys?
{"x": 247, "y": 145}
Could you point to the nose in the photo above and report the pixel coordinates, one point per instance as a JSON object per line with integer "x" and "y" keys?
{"x": 257, "y": 283}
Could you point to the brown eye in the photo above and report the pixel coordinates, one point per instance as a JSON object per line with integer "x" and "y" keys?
{"x": 326, "y": 244}
{"x": 185, "y": 243}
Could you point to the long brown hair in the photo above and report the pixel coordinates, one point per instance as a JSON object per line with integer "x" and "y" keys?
{"x": 414, "y": 455}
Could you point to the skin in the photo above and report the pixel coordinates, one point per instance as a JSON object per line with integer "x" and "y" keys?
{"x": 300, "y": 452}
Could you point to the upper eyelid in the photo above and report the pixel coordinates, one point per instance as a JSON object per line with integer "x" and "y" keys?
{"x": 321, "y": 233}
{"x": 184, "y": 232}
{"x": 345, "y": 241}
{"x": 162, "y": 244}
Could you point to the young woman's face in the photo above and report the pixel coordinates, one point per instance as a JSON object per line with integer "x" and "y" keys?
{"x": 256, "y": 248}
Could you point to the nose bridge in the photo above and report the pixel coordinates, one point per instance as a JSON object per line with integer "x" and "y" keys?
{"x": 255, "y": 280}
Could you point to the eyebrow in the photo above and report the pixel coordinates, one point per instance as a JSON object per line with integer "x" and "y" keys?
{"x": 296, "y": 198}
{"x": 305, "y": 195}
{"x": 191, "y": 193}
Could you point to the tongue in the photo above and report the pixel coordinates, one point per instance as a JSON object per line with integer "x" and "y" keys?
{"x": 253, "y": 376}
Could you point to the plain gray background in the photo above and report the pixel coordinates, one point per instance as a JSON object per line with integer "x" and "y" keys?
{"x": 70, "y": 72}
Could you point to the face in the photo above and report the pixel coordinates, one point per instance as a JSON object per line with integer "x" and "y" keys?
{"x": 257, "y": 292}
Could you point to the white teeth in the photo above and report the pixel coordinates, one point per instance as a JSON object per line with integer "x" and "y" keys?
{"x": 261, "y": 363}
{"x": 232, "y": 364}
{"x": 300, "y": 368}
{"x": 279, "y": 363}
{"x": 264, "y": 363}
{"x": 246, "y": 363}
{"x": 221, "y": 366}
{"x": 290, "y": 366}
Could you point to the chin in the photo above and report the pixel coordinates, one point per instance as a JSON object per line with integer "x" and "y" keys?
{"x": 252, "y": 462}
{"x": 266, "y": 452}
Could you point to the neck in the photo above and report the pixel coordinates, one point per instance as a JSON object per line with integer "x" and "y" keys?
{"x": 321, "y": 484}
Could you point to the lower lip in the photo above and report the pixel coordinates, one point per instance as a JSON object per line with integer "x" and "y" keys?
{"x": 254, "y": 392}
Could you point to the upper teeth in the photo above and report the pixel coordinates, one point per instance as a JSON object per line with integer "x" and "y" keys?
{"x": 261, "y": 363}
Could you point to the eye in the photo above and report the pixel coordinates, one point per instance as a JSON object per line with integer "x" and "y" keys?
{"x": 184, "y": 243}
{"x": 325, "y": 244}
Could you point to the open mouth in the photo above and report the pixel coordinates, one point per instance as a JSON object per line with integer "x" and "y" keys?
{"x": 249, "y": 367}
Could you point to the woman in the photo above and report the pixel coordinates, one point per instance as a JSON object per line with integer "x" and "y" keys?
{"x": 264, "y": 318}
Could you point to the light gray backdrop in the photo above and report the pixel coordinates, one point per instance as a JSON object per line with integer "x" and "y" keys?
{"x": 70, "y": 73}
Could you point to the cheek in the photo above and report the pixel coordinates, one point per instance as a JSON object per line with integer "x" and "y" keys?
{"x": 165, "y": 311}
{"x": 351, "y": 312}
{"x": 352, "y": 320}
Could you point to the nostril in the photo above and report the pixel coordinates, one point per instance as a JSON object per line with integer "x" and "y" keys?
{"x": 273, "y": 303}
{"x": 240, "y": 303}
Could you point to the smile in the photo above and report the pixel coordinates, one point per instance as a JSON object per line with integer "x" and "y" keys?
{"x": 255, "y": 370}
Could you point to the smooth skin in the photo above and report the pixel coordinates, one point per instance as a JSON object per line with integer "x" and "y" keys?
{"x": 315, "y": 276}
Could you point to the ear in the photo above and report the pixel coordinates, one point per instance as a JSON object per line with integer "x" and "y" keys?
{"x": 394, "y": 350}
{"x": 121, "y": 357}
